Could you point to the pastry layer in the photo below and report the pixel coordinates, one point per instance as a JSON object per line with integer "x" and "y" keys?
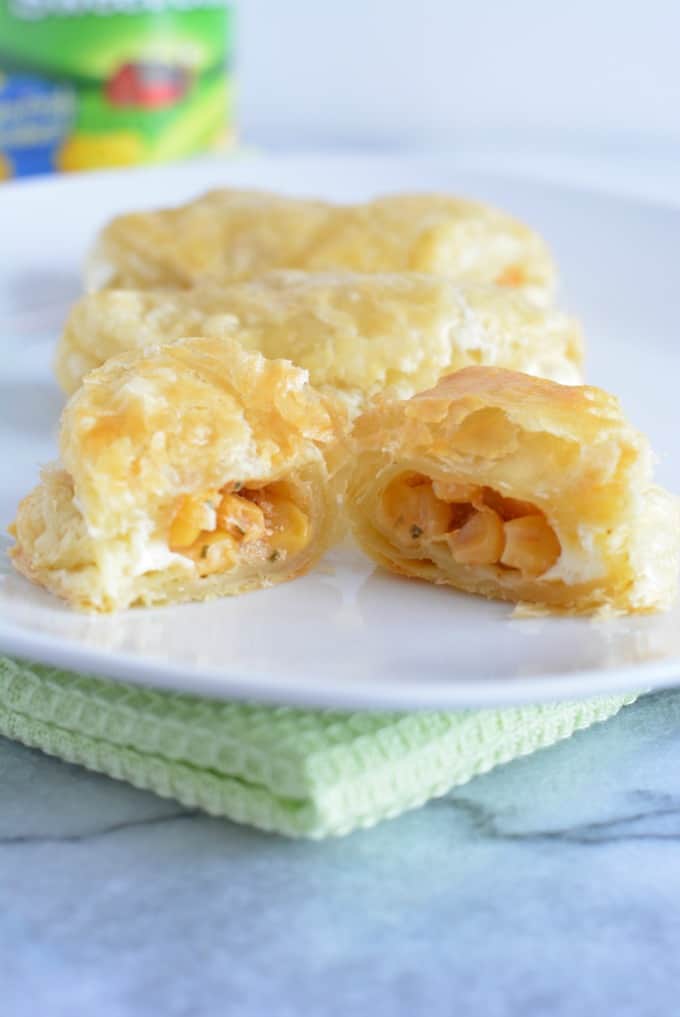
{"x": 518, "y": 488}
{"x": 187, "y": 471}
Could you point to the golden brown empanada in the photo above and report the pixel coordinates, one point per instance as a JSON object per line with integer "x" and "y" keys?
{"x": 227, "y": 235}
{"x": 513, "y": 487}
{"x": 357, "y": 335}
{"x": 187, "y": 471}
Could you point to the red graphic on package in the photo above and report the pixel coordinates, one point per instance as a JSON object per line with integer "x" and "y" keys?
{"x": 152, "y": 86}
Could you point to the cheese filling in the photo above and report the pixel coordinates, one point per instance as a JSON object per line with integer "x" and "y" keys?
{"x": 218, "y": 530}
{"x": 478, "y": 525}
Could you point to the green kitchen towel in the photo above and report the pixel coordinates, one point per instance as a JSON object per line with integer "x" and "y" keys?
{"x": 303, "y": 773}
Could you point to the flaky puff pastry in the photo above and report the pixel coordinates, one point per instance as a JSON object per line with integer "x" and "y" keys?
{"x": 358, "y": 335}
{"x": 229, "y": 235}
{"x": 517, "y": 488}
{"x": 188, "y": 471}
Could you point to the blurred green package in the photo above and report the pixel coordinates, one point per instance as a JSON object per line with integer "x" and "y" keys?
{"x": 92, "y": 83}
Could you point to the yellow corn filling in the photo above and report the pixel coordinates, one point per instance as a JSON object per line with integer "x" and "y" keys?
{"x": 513, "y": 275}
{"x": 217, "y": 528}
{"x": 478, "y": 525}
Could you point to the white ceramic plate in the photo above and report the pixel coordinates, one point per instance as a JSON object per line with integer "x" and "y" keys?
{"x": 347, "y": 635}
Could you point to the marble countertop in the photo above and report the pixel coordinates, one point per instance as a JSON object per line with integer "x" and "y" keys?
{"x": 548, "y": 886}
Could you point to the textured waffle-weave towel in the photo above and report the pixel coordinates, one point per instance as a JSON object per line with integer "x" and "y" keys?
{"x": 304, "y": 773}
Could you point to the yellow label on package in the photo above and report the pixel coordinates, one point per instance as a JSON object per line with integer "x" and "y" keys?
{"x": 86, "y": 84}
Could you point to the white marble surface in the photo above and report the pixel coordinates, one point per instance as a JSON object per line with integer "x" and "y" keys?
{"x": 547, "y": 887}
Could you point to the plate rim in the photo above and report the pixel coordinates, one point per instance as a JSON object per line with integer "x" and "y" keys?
{"x": 321, "y": 693}
{"x": 231, "y": 161}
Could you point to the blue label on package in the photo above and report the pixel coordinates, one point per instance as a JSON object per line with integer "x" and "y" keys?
{"x": 35, "y": 117}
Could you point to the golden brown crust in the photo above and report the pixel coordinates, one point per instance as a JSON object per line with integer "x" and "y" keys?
{"x": 150, "y": 429}
{"x": 359, "y": 335}
{"x": 562, "y": 456}
{"x": 229, "y": 235}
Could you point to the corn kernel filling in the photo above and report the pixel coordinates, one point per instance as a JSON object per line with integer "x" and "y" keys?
{"x": 513, "y": 275}
{"x": 478, "y": 525}
{"x": 217, "y": 529}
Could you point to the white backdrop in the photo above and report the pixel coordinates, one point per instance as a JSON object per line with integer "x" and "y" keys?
{"x": 424, "y": 73}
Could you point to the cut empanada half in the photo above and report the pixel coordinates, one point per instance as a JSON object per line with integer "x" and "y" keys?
{"x": 229, "y": 235}
{"x": 188, "y": 471}
{"x": 517, "y": 488}
{"x": 359, "y": 336}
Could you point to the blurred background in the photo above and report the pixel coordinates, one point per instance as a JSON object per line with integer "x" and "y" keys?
{"x": 588, "y": 90}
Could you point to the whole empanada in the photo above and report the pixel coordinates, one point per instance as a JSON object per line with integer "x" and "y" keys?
{"x": 357, "y": 335}
{"x": 227, "y": 235}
